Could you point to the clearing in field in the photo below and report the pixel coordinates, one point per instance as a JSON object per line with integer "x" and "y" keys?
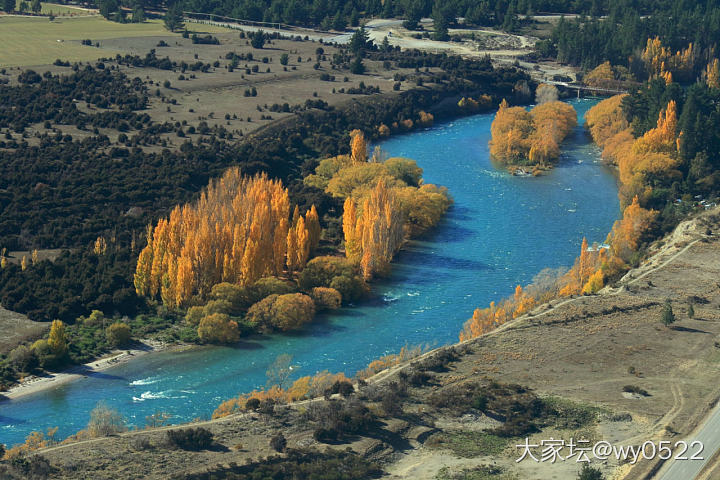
{"x": 38, "y": 41}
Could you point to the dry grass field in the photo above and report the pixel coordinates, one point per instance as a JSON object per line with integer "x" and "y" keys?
{"x": 30, "y": 41}
{"x": 16, "y": 328}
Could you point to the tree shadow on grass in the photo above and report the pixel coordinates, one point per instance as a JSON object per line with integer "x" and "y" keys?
{"x": 678, "y": 328}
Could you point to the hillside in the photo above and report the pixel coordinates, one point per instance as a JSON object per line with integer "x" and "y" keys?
{"x": 424, "y": 418}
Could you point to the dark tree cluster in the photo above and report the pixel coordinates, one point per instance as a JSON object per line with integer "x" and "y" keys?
{"x": 339, "y": 14}
{"x": 589, "y": 41}
{"x": 53, "y": 97}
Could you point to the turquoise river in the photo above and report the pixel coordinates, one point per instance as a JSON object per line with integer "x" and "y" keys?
{"x": 501, "y": 231}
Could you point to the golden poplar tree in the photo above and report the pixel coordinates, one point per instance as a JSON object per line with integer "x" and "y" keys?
{"x": 352, "y": 244}
{"x": 712, "y": 74}
{"x": 302, "y": 236}
{"x": 236, "y": 232}
{"x": 312, "y": 222}
{"x": 358, "y": 146}
{"x": 57, "y": 340}
{"x": 100, "y": 246}
{"x": 378, "y": 232}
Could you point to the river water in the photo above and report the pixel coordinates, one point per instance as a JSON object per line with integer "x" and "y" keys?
{"x": 501, "y": 231}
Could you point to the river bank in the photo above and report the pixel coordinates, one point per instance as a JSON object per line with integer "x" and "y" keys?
{"x": 36, "y": 384}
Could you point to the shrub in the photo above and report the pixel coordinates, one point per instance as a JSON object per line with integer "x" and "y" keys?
{"x": 326, "y": 298}
{"x": 140, "y": 443}
{"x": 590, "y": 473}
{"x": 190, "y": 438}
{"x": 635, "y": 389}
{"x": 333, "y": 272}
{"x": 343, "y": 387}
{"x": 22, "y": 359}
{"x": 325, "y": 435}
{"x": 218, "y": 328}
{"x": 217, "y": 306}
{"x": 271, "y": 286}
{"x": 278, "y": 442}
{"x": 668, "y": 316}
{"x": 238, "y": 297}
{"x": 194, "y": 315}
{"x": 282, "y": 312}
{"x": 105, "y": 421}
{"x": 118, "y": 334}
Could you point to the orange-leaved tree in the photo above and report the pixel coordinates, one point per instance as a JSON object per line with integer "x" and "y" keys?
{"x": 236, "y": 232}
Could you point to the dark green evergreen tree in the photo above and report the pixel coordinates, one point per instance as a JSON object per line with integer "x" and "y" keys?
{"x": 668, "y": 317}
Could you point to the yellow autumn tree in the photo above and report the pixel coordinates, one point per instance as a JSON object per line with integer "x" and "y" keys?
{"x": 601, "y": 76}
{"x": 57, "y": 339}
{"x": 312, "y": 222}
{"x": 358, "y": 146}
{"x": 100, "y": 246}
{"x": 594, "y": 283}
{"x": 627, "y": 232}
{"x": 659, "y": 60}
{"x": 606, "y": 119}
{"x": 663, "y": 137}
{"x": 378, "y": 232}
{"x": 236, "y": 232}
{"x": 520, "y": 137}
{"x": 511, "y": 130}
{"x": 712, "y": 74}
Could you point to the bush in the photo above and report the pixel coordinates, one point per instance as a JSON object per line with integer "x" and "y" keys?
{"x": 343, "y": 387}
{"x": 325, "y": 435}
{"x": 668, "y": 316}
{"x": 333, "y": 272}
{"x": 326, "y": 298}
{"x": 278, "y": 442}
{"x": 282, "y": 312}
{"x": 194, "y": 315}
{"x": 118, "y": 334}
{"x": 190, "y": 438}
{"x": 635, "y": 389}
{"x": 590, "y": 473}
{"x": 105, "y": 421}
{"x": 217, "y": 306}
{"x": 140, "y": 443}
{"x": 22, "y": 359}
{"x": 271, "y": 286}
{"x": 218, "y": 328}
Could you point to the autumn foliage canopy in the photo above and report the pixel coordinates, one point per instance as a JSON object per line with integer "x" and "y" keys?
{"x": 520, "y": 137}
{"x": 239, "y": 231}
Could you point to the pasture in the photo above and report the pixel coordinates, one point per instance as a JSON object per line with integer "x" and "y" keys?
{"x": 38, "y": 41}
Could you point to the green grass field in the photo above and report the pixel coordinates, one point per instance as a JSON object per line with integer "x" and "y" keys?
{"x": 38, "y": 41}
{"x": 57, "y": 9}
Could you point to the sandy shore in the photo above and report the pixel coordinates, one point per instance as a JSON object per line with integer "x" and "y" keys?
{"x": 35, "y": 384}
